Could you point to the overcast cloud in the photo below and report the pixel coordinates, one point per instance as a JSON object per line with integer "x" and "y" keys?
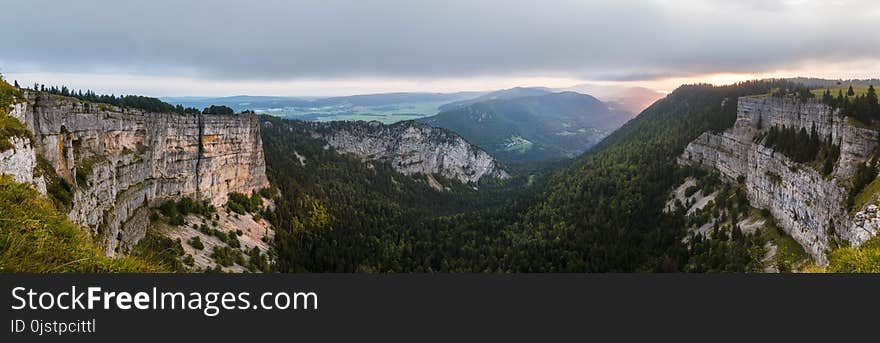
{"x": 288, "y": 40}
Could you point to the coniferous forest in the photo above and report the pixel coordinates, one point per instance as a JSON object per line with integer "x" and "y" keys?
{"x": 602, "y": 213}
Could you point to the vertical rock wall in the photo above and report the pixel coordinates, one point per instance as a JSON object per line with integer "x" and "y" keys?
{"x": 807, "y": 205}
{"x": 411, "y": 148}
{"x": 123, "y": 160}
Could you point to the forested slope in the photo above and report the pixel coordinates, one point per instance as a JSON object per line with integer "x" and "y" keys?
{"x": 602, "y": 213}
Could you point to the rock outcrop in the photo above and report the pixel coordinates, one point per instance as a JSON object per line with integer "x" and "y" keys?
{"x": 20, "y": 161}
{"x": 120, "y": 161}
{"x": 411, "y": 148}
{"x": 807, "y": 205}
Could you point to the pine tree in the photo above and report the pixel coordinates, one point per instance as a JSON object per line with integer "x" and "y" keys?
{"x": 15, "y": 83}
{"x": 850, "y": 91}
{"x": 872, "y": 105}
{"x": 827, "y": 98}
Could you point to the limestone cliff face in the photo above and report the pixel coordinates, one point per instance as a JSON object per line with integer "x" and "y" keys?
{"x": 21, "y": 160}
{"x": 807, "y": 205}
{"x": 122, "y": 160}
{"x": 411, "y": 148}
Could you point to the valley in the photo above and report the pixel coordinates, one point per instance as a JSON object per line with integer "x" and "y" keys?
{"x": 532, "y": 128}
{"x": 759, "y": 176}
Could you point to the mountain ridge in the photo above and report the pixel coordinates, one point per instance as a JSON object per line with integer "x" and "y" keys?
{"x": 533, "y": 128}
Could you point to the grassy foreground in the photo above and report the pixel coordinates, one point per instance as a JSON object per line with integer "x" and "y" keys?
{"x": 36, "y": 238}
{"x": 861, "y": 259}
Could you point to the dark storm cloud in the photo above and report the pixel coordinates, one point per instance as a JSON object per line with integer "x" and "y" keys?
{"x": 236, "y": 40}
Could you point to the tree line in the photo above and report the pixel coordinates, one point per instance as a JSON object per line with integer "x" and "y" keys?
{"x": 145, "y": 103}
{"x": 803, "y": 147}
{"x": 865, "y": 107}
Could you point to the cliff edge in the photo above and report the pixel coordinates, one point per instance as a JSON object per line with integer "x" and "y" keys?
{"x": 106, "y": 165}
{"x": 807, "y": 204}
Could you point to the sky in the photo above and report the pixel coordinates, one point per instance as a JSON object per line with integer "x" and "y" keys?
{"x": 338, "y": 47}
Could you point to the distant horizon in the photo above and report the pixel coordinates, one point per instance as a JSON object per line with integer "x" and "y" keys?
{"x": 718, "y": 80}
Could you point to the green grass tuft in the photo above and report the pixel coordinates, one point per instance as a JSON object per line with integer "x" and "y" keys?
{"x": 866, "y": 195}
{"x": 862, "y": 259}
{"x": 36, "y": 238}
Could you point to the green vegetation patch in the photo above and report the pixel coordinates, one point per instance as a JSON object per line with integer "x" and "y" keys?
{"x": 227, "y": 256}
{"x": 35, "y": 237}
{"x": 862, "y": 259}
{"x": 196, "y": 243}
{"x": 58, "y": 189}
{"x": 861, "y": 191}
{"x": 842, "y": 89}
{"x": 12, "y": 127}
{"x": 790, "y": 255}
{"x": 8, "y": 93}
{"x": 865, "y": 195}
{"x": 864, "y": 108}
{"x": 9, "y": 126}
{"x": 803, "y": 147}
{"x": 166, "y": 251}
{"x": 174, "y": 211}
{"x": 518, "y": 144}
{"x": 241, "y": 203}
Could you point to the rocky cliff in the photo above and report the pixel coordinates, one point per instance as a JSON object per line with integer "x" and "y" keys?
{"x": 119, "y": 161}
{"x": 807, "y": 205}
{"x": 411, "y": 148}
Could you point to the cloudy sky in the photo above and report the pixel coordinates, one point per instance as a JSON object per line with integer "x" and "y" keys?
{"x": 333, "y": 47}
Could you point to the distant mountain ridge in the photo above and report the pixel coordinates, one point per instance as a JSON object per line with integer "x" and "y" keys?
{"x": 532, "y": 128}
{"x": 512, "y": 93}
{"x": 250, "y": 102}
{"x": 631, "y": 99}
{"x": 384, "y": 107}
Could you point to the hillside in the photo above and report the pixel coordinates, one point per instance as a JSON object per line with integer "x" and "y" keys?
{"x": 511, "y": 93}
{"x": 606, "y": 208}
{"x": 533, "y": 128}
{"x": 343, "y": 213}
{"x": 630, "y": 99}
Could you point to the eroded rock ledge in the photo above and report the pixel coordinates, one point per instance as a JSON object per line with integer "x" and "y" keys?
{"x": 120, "y": 161}
{"x": 411, "y": 148}
{"x": 808, "y": 206}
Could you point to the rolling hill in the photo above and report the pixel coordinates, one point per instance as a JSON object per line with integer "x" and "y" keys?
{"x": 532, "y": 128}
{"x": 385, "y": 107}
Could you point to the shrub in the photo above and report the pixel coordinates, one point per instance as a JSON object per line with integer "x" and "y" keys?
{"x": 233, "y": 241}
{"x": 691, "y": 190}
{"x": 188, "y": 260}
{"x": 241, "y": 203}
{"x": 267, "y": 193}
{"x": 176, "y": 210}
{"x": 226, "y": 256}
{"x": 196, "y": 243}
{"x": 163, "y": 249}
